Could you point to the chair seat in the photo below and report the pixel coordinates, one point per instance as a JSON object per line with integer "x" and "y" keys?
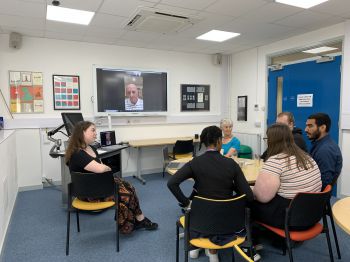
{"x": 85, "y": 205}
{"x": 297, "y": 235}
{"x": 181, "y": 156}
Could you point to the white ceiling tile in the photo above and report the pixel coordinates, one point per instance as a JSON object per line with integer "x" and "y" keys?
{"x": 100, "y": 40}
{"x": 235, "y": 8}
{"x": 130, "y": 43}
{"x": 21, "y": 8}
{"x": 87, "y": 5}
{"x": 193, "y": 4}
{"x": 134, "y": 36}
{"x": 176, "y": 10}
{"x": 96, "y": 31}
{"x": 62, "y": 27}
{"x": 334, "y": 7}
{"x": 24, "y": 31}
{"x": 122, "y": 7}
{"x": 108, "y": 21}
{"x": 303, "y": 19}
{"x": 18, "y": 21}
{"x": 63, "y": 36}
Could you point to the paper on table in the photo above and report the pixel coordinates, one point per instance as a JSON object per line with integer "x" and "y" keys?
{"x": 101, "y": 151}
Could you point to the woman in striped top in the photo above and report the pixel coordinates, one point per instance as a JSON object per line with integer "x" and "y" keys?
{"x": 287, "y": 171}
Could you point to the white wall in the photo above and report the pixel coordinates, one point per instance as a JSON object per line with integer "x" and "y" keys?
{"x": 8, "y": 180}
{"x": 74, "y": 58}
{"x": 249, "y": 71}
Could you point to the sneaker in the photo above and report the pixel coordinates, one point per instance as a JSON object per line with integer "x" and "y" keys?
{"x": 146, "y": 224}
{"x": 256, "y": 256}
{"x": 194, "y": 253}
{"x": 212, "y": 257}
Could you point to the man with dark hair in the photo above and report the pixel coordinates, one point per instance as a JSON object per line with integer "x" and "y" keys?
{"x": 324, "y": 150}
{"x": 287, "y": 118}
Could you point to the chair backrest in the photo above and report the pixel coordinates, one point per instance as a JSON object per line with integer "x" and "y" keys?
{"x": 245, "y": 152}
{"x": 91, "y": 185}
{"x": 209, "y": 216}
{"x": 183, "y": 146}
{"x": 306, "y": 209}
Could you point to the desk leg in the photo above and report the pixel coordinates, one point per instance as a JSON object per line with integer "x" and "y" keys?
{"x": 65, "y": 180}
{"x": 138, "y": 174}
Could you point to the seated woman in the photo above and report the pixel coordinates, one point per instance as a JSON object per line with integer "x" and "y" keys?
{"x": 215, "y": 176}
{"x": 81, "y": 157}
{"x": 287, "y": 171}
{"x": 230, "y": 144}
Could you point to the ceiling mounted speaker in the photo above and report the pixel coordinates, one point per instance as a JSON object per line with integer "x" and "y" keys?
{"x": 217, "y": 59}
{"x": 15, "y": 40}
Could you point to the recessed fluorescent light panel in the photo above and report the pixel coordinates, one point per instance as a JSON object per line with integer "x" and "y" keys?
{"x": 321, "y": 49}
{"x": 217, "y": 36}
{"x": 302, "y": 3}
{"x": 69, "y": 15}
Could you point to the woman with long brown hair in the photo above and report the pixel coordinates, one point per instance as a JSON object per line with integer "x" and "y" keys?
{"x": 81, "y": 157}
{"x": 287, "y": 171}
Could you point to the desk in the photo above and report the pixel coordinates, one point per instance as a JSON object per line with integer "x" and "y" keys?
{"x": 111, "y": 157}
{"x": 139, "y": 144}
{"x": 341, "y": 213}
{"x": 249, "y": 168}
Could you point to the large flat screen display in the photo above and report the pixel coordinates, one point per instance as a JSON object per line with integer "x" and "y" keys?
{"x": 130, "y": 92}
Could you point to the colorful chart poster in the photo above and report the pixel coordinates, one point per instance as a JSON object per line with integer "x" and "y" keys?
{"x": 26, "y": 92}
{"x": 66, "y": 92}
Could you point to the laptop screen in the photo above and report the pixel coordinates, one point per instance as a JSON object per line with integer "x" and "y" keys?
{"x": 107, "y": 138}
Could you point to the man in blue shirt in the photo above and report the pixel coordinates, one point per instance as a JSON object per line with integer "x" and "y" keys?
{"x": 324, "y": 150}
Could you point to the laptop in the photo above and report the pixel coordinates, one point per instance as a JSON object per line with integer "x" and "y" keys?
{"x": 107, "y": 138}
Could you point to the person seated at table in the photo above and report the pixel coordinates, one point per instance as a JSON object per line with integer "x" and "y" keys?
{"x": 215, "y": 177}
{"x": 81, "y": 157}
{"x": 230, "y": 144}
{"x": 287, "y": 171}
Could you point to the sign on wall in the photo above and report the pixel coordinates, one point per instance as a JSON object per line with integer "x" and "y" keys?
{"x": 66, "y": 93}
{"x": 305, "y": 100}
{"x": 26, "y": 92}
{"x": 195, "y": 97}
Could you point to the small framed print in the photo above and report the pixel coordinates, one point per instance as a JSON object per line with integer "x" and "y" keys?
{"x": 242, "y": 103}
{"x": 66, "y": 92}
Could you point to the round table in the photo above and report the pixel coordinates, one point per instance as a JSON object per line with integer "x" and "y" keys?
{"x": 341, "y": 213}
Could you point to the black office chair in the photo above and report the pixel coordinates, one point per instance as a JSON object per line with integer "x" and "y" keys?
{"x": 306, "y": 209}
{"x": 183, "y": 149}
{"x": 215, "y": 217}
{"x": 95, "y": 186}
{"x": 330, "y": 214}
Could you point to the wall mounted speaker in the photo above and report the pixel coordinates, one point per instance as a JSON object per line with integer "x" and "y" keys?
{"x": 15, "y": 40}
{"x": 217, "y": 59}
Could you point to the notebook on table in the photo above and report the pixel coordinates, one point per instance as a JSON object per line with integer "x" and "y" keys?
{"x": 176, "y": 165}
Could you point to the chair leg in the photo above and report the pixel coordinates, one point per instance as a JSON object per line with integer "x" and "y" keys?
{"x": 177, "y": 243}
{"x": 163, "y": 172}
{"x": 68, "y": 230}
{"x": 328, "y": 239}
{"x": 289, "y": 248}
{"x": 117, "y": 233}
{"x": 330, "y": 214}
{"x": 78, "y": 223}
{"x": 233, "y": 255}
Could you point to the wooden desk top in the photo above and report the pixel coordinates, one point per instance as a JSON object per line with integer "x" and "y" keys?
{"x": 250, "y": 170}
{"x": 158, "y": 141}
{"x": 341, "y": 213}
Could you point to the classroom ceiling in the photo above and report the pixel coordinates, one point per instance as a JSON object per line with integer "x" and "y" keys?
{"x": 259, "y": 22}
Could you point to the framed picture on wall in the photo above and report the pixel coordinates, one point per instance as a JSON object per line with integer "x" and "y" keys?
{"x": 195, "y": 97}
{"x": 66, "y": 92}
{"x": 242, "y": 103}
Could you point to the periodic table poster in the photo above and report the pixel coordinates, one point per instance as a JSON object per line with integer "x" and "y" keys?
{"x": 26, "y": 92}
{"x": 195, "y": 97}
{"x": 66, "y": 93}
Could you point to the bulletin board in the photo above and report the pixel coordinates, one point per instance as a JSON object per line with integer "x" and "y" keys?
{"x": 26, "y": 92}
{"x": 195, "y": 97}
{"x": 66, "y": 92}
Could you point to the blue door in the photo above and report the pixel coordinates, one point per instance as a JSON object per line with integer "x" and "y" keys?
{"x": 320, "y": 79}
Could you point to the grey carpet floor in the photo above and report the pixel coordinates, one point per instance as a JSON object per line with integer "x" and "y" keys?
{"x": 38, "y": 227}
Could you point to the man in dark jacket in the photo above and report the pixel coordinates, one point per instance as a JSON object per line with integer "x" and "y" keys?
{"x": 287, "y": 118}
{"x": 324, "y": 150}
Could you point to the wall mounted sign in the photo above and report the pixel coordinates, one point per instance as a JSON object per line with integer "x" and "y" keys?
{"x": 195, "y": 97}
{"x": 26, "y": 92}
{"x": 305, "y": 100}
{"x": 66, "y": 92}
{"x": 242, "y": 103}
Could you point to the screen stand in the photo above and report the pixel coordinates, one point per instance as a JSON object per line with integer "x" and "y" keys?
{"x": 109, "y": 122}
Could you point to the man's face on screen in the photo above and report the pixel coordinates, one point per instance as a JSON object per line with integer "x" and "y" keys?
{"x": 132, "y": 93}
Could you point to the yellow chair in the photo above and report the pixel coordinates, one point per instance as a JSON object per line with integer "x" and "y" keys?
{"x": 215, "y": 217}
{"x": 94, "y": 186}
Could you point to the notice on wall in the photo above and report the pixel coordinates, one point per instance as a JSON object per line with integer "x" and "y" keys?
{"x": 195, "y": 97}
{"x": 305, "y": 100}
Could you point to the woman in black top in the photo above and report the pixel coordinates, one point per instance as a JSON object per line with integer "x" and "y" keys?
{"x": 81, "y": 157}
{"x": 215, "y": 176}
